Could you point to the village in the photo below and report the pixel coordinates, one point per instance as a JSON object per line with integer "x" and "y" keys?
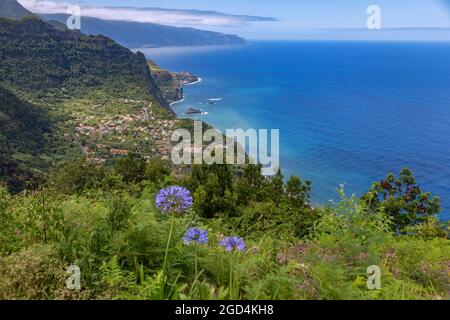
{"x": 105, "y": 138}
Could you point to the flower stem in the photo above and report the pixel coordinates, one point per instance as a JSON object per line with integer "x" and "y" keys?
{"x": 196, "y": 264}
{"x": 231, "y": 280}
{"x": 168, "y": 244}
{"x": 196, "y": 268}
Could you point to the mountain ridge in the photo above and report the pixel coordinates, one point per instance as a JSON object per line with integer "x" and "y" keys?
{"x": 141, "y": 35}
{"x": 13, "y": 10}
{"x": 36, "y": 57}
{"x": 54, "y": 84}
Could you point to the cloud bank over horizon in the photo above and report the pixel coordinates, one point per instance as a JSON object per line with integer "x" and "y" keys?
{"x": 175, "y": 17}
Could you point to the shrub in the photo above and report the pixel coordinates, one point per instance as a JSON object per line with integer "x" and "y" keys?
{"x": 35, "y": 274}
{"x": 403, "y": 200}
{"x": 132, "y": 168}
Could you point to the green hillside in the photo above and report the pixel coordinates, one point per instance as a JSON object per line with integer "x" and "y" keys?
{"x": 21, "y": 121}
{"x": 41, "y": 60}
{"x": 86, "y": 180}
{"x": 13, "y": 10}
{"x": 98, "y": 97}
{"x": 165, "y": 80}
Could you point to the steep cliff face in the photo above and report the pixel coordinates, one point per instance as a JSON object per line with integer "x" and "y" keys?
{"x": 166, "y": 81}
{"x": 38, "y": 59}
{"x": 171, "y": 83}
{"x": 23, "y": 133}
{"x": 22, "y": 125}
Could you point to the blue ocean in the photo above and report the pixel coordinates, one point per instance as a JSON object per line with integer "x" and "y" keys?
{"x": 348, "y": 112}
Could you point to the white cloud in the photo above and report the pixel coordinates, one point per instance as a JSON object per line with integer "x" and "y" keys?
{"x": 150, "y": 15}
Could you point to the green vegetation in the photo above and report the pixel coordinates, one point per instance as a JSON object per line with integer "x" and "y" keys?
{"x": 403, "y": 201}
{"x": 170, "y": 87}
{"x": 84, "y": 141}
{"x": 64, "y": 95}
{"x": 44, "y": 62}
{"x": 104, "y": 220}
{"x": 24, "y": 135}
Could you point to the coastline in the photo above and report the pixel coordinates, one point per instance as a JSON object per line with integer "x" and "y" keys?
{"x": 192, "y": 83}
{"x": 186, "y": 84}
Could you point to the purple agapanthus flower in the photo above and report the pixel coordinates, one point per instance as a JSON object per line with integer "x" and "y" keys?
{"x": 173, "y": 199}
{"x": 233, "y": 243}
{"x": 195, "y": 235}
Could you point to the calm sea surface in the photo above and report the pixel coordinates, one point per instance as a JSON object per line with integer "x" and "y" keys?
{"x": 348, "y": 112}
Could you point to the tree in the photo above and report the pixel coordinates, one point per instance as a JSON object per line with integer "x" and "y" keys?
{"x": 274, "y": 188}
{"x": 298, "y": 192}
{"x": 132, "y": 168}
{"x": 213, "y": 184}
{"x": 76, "y": 177}
{"x": 157, "y": 170}
{"x": 119, "y": 211}
{"x": 250, "y": 187}
{"x": 403, "y": 200}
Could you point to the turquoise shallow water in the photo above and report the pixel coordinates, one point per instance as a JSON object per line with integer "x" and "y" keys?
{"x": 348, "y": 112}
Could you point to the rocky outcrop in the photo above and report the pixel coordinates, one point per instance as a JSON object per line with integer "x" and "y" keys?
{"x": 184, "y": 77}
{"x": 171, "y": 83}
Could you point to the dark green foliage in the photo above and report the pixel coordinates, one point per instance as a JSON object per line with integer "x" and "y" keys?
{"x": 76, "y": 177}
{"x": 24, "y": 136}
{"x": 80, "y": 176}
{"x": 157, "y": 170}
{"x": 23, "y": 126}
{"x": 119, "y": 241}
{"x": 44, "y": 73}
{"x": 14, "y": 174}
{"x": 46, "y": 218}
{"x": 119, "y": 212}
{"x": 170, "y": 86}
{"x": 403, "y": 200}
{"x": 255, "y": 205}
{"x": 103, "y": 217}
{"x": 268, "y": 218}
{"x": 131, "y": 168}
{"x": 134, "y": 168}
{"x": 253, "y": 187}
{"x": 39, "y": 59}
{"x": 212, "y": 187}
{"x": 274, "y": 189}
{"x": 249, "y": 185}
{"x": 298, "y": 192}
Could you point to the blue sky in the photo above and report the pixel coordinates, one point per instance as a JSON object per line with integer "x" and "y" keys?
{"x": 295, "y": 19}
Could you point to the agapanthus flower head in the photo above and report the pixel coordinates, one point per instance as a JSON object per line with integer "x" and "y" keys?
{"x": 197, "y": 236}
{"x": 173, "y": 199}
{"x": 233, "y": 243}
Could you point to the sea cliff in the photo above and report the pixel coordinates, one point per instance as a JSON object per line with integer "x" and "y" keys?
{"x": 171, "y": 83}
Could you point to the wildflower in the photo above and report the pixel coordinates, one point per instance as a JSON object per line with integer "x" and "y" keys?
{"x": 173, "y": 199}
{"x": 195, "y": 235}
{"x": 231, "y": 243}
